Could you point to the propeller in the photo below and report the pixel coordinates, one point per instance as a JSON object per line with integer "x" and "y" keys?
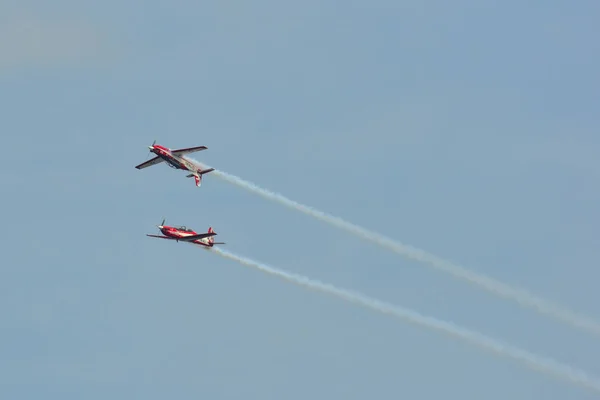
{"x": 161, "y": 224}
{"x": 150, "y": 148}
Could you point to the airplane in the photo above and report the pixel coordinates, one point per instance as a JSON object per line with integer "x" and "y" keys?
{"x": 185, "y": 234}
{"x": 174, "y": 159}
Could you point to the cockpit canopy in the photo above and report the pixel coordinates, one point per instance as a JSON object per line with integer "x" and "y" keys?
{"x": 184, "y": 228}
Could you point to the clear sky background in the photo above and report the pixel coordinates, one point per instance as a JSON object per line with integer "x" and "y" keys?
{"x": 466, "y": 128}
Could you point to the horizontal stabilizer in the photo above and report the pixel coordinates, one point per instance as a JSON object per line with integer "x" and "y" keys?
{"x": 206, "y": 171}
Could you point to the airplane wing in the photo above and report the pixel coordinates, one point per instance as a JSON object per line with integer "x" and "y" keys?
{"x": 149, "y": 163}
{"x": 161, "y": 237}
{"x": 196, "y": 237}
{"x": 180, "y": 152}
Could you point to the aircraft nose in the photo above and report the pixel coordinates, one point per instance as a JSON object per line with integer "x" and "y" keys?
{"x": 151, "y": 148}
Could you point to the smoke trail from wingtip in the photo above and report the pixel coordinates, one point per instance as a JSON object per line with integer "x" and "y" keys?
{"x": 533, "y": 361}
{"x": 496, "y": 287}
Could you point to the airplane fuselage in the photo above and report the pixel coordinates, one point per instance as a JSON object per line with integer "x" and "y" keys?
{"x": 172, "y": 160}
{"x": 177, "y": 234}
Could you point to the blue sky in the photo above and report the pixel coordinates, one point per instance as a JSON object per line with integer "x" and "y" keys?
{"x": 468, "y": 129}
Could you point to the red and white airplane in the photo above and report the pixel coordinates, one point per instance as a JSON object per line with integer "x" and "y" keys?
{"x": 174, "y": 159}
{"x": 184, "y": 234}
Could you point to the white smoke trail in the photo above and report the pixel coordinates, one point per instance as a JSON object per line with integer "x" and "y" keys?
{"x": 501, "y": 289}
{"x": 533, "y": 361}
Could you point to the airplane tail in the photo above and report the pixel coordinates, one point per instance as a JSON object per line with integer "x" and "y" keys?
{"x": 211, "y": 239}
{"x": 198, "y": 175}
